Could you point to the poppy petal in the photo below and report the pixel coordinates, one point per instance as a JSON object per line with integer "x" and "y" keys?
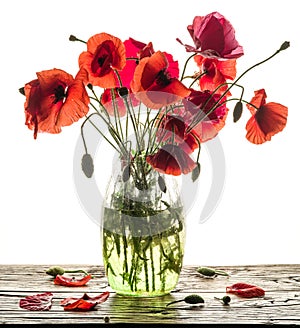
{"x": 245, "y": 290}
{"x": 71, "y": 282}
{"x": 171, "y": 159}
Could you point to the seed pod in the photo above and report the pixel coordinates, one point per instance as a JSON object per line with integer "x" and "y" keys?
{"x": 237, "y": 112}
{"x": 162, "y": 184}
{"x": 87, "y": 165}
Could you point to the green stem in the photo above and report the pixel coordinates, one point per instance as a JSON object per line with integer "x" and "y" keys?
{"x": 185, "y": 65}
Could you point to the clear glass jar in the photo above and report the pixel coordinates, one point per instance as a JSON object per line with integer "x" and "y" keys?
{"x": 143, "y": 232}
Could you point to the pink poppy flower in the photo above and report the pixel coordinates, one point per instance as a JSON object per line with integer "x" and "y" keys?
{"x": 214, "y": 36}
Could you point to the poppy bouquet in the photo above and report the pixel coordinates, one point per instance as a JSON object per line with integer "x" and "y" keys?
{"x": 180, "y": 111}
{"x": 156, "y": 118}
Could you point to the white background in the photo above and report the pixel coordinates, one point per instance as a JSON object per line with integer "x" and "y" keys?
{"x": 42, "y": 221}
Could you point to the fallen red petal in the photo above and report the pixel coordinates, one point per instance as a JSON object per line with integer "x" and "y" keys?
{"x": 71, "y": 282}
{"x": 38, "y": 302}
{"x": 245, "y": 290}
{"x": 84, "y": 303}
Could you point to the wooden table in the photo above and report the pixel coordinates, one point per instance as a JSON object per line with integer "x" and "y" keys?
{"x": 280, "y": 305}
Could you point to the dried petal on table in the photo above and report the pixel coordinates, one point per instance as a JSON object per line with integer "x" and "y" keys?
{"x": 38, "y": 302}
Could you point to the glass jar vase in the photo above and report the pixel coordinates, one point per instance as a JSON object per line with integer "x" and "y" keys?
{"x": 143, "y": 232}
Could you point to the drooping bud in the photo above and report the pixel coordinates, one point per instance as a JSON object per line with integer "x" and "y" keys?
{"x": 126, "y": 173}
{"x": 196, "y": 172}
{"x": 87, "y": 165}
{"x": 237, "y": 112}
{"x": 162, "y": 184}
{"x": 90, "y": 86}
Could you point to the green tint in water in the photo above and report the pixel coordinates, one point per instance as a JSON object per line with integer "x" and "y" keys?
{"x": 143, "y": 254}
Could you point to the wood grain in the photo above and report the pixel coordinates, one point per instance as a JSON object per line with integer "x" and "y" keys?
{"x": 280, "y": 305}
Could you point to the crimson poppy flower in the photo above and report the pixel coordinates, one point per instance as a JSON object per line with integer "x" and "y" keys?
{"x": 154, "y": 85}
{"x": 173, "y": 128}
{"x": 135, "y": 50}
{"x": 213, "y": 36}
{"x": 206, "y": 121}
{"x": 105, "y": 53}
{"x": 267, "y": 118}
{"x": 53, "y": 100}
{"x": 171, "y": 159}
{"x": 216, "y": 73}
{"x": 71, "y": 282}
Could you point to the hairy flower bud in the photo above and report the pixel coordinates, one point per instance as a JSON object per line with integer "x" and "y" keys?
{"x": 55, "y": 270}
{"x": 284, "y": 46}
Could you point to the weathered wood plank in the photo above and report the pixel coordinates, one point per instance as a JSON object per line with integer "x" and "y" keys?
{"x": 281, "y": 304}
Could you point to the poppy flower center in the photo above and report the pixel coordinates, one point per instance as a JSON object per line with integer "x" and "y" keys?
{"x": 59, "y": 94}
{"x": 101, "y": 65}
{"x": 162, "y": 78}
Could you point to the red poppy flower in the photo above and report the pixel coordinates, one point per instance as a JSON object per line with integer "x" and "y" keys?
{"x": 53, "y": 100}
{"x": 71, "y": 282}
{"x": 199, "y": 107}
{"x": 213, "y": 36}
{"x": 137, "y": 50}
{"x": 104, "y": 54}
{"x": 85, "y": 303}
{"x": 267, "y": 118}
{"x": 171, "y": 159}
{"x": 173, "y": 128}
{"x": 154, "y": 85}
{"x": 216, "y": 73}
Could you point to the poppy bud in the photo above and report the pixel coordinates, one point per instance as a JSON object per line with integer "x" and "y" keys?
{"x": 237, "y": 112}
{"x": 123, "y": 92}
{"x": 126, "y": 173}
{"x": 162, "y": 184}
{"x": 55, "y": 270}
{"x": 284, "y": 46}
{"x": 196, "y": 172}
{"x": 22, "y": 91}
{"x": 90, "y": 86}
{"x": 193, "y": 299}
{"x": 87, "y": 165}
{"x": 72, "y": 38}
